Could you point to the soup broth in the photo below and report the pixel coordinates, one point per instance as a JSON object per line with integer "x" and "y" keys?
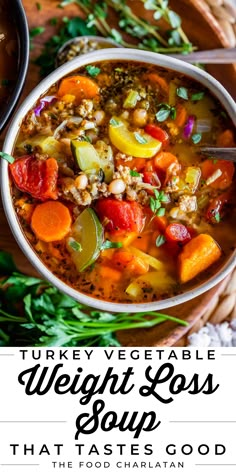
{"x": 111, "y": 188}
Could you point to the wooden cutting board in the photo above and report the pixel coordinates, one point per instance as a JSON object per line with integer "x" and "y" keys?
{"x": 192, "y": 13}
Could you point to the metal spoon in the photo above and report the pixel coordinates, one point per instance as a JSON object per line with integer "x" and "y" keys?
{"x": 214, "y": 56}
{"x": 226, "y": 154}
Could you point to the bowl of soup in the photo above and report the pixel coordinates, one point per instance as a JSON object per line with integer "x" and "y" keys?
{"x": 14, "y": 56}
{"x": 108, "y": 193}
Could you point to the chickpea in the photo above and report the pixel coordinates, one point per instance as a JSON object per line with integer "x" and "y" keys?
{"x": 81, "y": 181}
{"x": 140, "y": 117}
{"x": 116, "y": 186}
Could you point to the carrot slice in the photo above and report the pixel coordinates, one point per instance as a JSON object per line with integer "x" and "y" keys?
{"x": 79, "y": 86}
{"x": 197, "y": 255}
{"x": 163, "y": 160}
{"x": 226, "y": 139}
{"x": 109, "y": 274}
{"x": 181, "y": 116}
{"x": 51, "y": 221}
{"x": 157, "y": 80}
{"x": 209, "y": 167}
{"x": 125, "y": 260}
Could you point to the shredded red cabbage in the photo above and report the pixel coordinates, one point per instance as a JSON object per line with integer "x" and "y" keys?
{"x": 43, "y": 103}
{"x": 188, "y": 128}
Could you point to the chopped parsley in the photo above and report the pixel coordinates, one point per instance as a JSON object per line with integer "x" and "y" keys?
{"x": 182, "y": 92}
{"x": 38, "y": 6}
{"x": 160, "y": 240}
{"x": 165, "y": 112}
{"x": 75, "y": 245}
{"x": 93, "y": 70}
{"x": 110, "y": 245}
{"x": 217, "y": 217}
{"x": 196, "y": 138}
{"x": 140, "y": 138}
{"x": 7, "y": 157}
{"x": 195, "y": 97}
{"x": 134, "y": 173}
{"x": 114, "y": 122}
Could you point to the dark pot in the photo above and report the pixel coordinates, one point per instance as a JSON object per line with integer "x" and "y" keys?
{"x": 19, "y": 18}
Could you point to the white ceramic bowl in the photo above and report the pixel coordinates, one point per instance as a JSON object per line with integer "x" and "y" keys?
{"x": 108, "y": 55}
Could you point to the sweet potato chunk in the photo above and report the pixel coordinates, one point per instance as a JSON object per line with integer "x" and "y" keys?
{"x": 197, "y": 255}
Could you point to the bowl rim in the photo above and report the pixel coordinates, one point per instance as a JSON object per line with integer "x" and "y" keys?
{"x": 98, "y": 56}
{"x": 24, "y": 46}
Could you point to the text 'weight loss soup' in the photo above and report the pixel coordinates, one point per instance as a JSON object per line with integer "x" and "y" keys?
{"x": 110, "y": 186}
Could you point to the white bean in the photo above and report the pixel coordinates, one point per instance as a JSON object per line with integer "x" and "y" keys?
{"x": 140, "y": 117}
{"x": 99, "y": 117}
{"x": 116, "y": 186}
{"x": 81, "y": 181}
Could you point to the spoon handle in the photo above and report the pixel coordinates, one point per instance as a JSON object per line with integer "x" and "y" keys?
{"x": 226, "y": 154}
{"x": 214, "y": 56}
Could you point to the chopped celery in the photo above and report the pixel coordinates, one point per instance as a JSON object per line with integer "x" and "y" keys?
{"x": 131, "y": 99}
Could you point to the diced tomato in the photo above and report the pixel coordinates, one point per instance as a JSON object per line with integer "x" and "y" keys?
{"x": 177, "y": 232}
{"x": 151, "y": 178}
{"x": 157, "y": 133}
{"x": 36, "y": 177}
{"x": 216, "y": 208}
{"x": 209, "y": 167}
{"x": 120, "y": 215}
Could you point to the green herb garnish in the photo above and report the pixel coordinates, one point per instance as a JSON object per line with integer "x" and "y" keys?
{"x": 140, "y": 138}
{"x": 75, "y": 245}
{"x": 134, "y": 173}
{"x": 182, "y": 92}
{"x": 111, "y": 245}
{"x": 114, "y": 122}
{"x": 5, "y": 82}
{"x": 7, "y": 157}
{"x": 165, "y": 112}
{"x": 160, "y": 240}
{"x": 156, "y": 203}
{"x": 38, "y": 6}
{"x": 93, "y": 70}
{"x": 196, "y": 138}
{"x": 217, "y": 217}
{"x": 195, "y": 97}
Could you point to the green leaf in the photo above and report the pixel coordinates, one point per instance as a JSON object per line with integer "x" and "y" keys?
{"x": 75, "y": 245}
{"x": 134, "y": 173}
{"x": 174, "y": 19}
{"x": 114, "y": 122}
{"x": 162, "y": 115}
{"x": 217, "y": 217}
{"x": 93, "y": 70}
{"x": 36, "y": 31}
{"x": 182, "y": 92}
{"x": 140, "y": 138}
{"x": 161, "y": 212}
{"x": 196, "y": 138}
{"x": 160, "y": 240}
{"x": 195, "y": 97}
{"x": 110, "y": 245}
{"x": 7, "y": 157}
{"x": 38, "y": 6}
{"x": 7, "y": 265}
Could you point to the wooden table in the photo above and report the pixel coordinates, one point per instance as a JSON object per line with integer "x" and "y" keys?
{"x": 191, "y": 310}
